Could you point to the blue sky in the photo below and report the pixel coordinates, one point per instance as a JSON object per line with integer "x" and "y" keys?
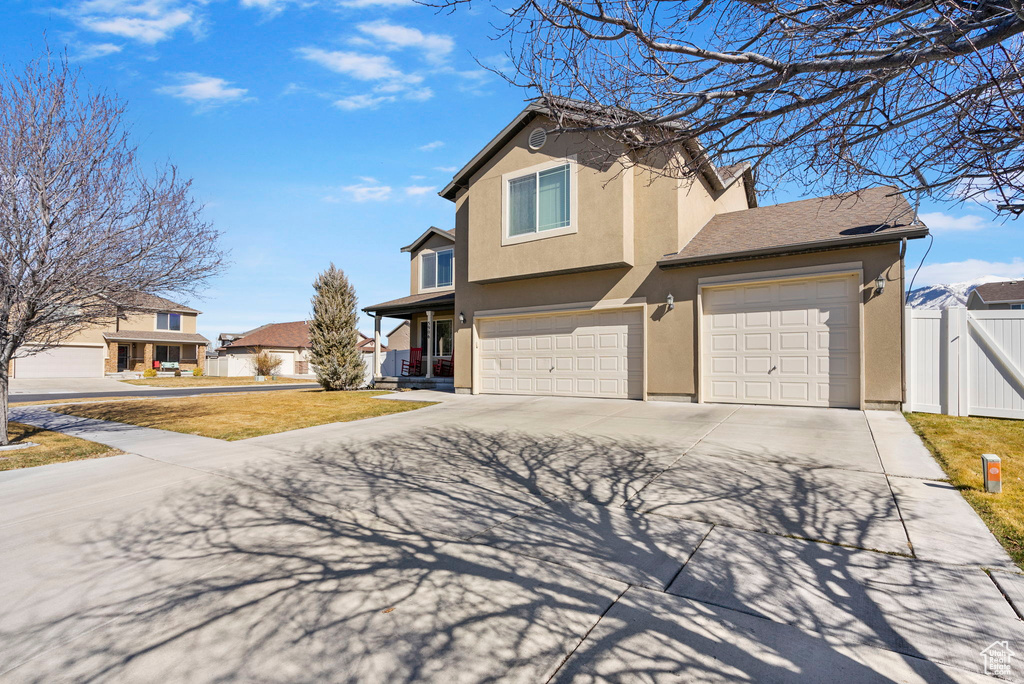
{"x": 321, "y": 130}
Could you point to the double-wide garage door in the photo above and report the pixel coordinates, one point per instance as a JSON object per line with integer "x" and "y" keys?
{"x": 791, "y": 342}
{"x": 583, "y": 354}
{"x": 61, "y": 362}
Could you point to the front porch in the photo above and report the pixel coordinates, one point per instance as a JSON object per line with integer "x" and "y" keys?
{"x": 429, "y": 363}
{"x": 130, "y": 352}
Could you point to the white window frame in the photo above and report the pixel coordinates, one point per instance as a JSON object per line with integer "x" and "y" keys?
{"x": 436, "y": 287}
{"x": 168, "y": 314}
{"x": 570, "y": 229}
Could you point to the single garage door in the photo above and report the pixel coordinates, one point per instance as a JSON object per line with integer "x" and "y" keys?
{"x": 287, "y": 362}
{"x": 585, "y": 354}
{"x": 61, "y": 362}
{"x": 791, "y": 342}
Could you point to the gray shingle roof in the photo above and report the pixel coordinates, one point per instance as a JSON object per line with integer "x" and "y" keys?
{"x": 867, "y": 216}
{"x": 1006, "y": 291}
{"x": 414, "y": 303}
{"x": 155, "y": 336}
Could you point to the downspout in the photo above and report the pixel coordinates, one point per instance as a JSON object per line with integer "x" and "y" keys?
{"x": 903, "y": 321}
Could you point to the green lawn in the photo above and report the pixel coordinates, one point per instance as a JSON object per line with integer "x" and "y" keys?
{"x": 241, "y": 416}
{"x": 53, "y": 448}
{"x": 958, "y": 443}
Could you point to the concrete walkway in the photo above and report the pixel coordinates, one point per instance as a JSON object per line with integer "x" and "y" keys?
{"x": 508, "y": 538}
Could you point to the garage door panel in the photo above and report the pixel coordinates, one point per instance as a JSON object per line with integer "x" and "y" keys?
{"x": 61, "y": 362}
{"x": 584, "y": 354}
{"x": 788, "y": 342}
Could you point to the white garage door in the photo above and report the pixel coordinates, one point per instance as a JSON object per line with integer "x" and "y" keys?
{"x": 585, "y": 354}
{"x": 61, "y": 362}
{"x": 792, "y": 342}
{"x": 287, "y": 362}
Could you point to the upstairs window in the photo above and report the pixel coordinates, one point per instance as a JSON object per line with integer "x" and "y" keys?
{"x": 436, "y": 269}
{"x": 168, "y": 321}
{"x": 539, "y": 201}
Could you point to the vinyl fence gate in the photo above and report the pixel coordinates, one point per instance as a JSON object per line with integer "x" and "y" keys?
{"x": 965, "y": 363}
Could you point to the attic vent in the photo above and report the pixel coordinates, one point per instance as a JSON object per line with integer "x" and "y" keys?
{"x": 538, "y": 136}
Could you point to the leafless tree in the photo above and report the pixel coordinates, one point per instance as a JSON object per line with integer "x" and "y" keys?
{"x": 926, "y": 95}
{"x": 82, "y": 228}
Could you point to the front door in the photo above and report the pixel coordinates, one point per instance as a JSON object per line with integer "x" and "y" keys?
{"x": 122, "y": 357}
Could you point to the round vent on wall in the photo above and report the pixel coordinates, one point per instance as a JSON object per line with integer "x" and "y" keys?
{"x": 538, "y": 136}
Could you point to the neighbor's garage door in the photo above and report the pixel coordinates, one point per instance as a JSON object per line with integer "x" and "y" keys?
{"x": 586, "y": 354}
{"x": 287, "y": 362}
{"x": 61, "y": 362}
{"x": 793, "y": 342}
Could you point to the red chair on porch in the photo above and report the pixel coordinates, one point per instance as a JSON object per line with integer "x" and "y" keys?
{"x": 444, "y": 368}
{"x": 414, "y": 364}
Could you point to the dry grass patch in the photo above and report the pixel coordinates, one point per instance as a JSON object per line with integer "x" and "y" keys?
{"x": 958, "y": 443}
{"x": 186, "y": 381}
{"x": 54, "y": 447}
{"x": 241, "y": 416}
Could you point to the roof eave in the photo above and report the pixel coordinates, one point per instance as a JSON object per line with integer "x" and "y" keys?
{"x": 432, "y": 230}
{"x": 798, "y": 248}
{"x": 461, "y": 179}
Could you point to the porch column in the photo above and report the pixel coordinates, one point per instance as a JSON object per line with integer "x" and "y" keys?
{"x": 376, "y": 348}
{"x": 430, "y": 344}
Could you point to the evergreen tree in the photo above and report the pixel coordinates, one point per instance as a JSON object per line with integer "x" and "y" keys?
{"x": 332, "y": 333}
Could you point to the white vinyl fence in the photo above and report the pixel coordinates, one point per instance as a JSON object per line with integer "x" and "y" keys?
{"x": 965, "y": 363}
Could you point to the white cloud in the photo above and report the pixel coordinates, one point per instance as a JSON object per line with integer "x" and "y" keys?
{"x": 416, "y": 190}
{"x": 96, "y": 50}
{"x": 940, "y": 222}
{"x": 969, "y": 269}
{"x": 446, "y": 169}
{"x": 434, "y": 47}
{"x": 369, "y": 190}
{"x": 431, "y": 146}
{"x": 147, "y": 21}
{"x": 364, "y": 101}
{"x": 363, "y": 67}
{"x": 203, "y": 90}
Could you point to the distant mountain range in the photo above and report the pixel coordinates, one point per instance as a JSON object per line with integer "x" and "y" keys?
{"x": 945, "y": 296}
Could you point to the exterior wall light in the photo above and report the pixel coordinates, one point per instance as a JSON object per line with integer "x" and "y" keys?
{"x": 880, "y": 284}
{"x": 462, "y": 317}
{"x": 671, "y": 301}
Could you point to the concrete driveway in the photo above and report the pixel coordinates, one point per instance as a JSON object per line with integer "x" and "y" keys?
{"x": 505, "y": 538}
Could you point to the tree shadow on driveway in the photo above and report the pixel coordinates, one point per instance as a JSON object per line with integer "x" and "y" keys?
{"x": 358, "y": 562}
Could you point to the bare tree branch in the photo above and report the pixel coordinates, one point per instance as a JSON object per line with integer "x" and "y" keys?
{"x": 924, "y": 94}
{"x": 82, "y": 228}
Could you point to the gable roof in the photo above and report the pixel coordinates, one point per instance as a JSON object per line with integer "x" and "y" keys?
{"x": 872, "y": 215}
{"x": 1006, "y": 291}
{"x": 587, "y": 112}
{"x": 288, "y": 335}
{"x": 432, "y": 230}
{"x": 144, "y": 301}
{"x": 365, "y": 343}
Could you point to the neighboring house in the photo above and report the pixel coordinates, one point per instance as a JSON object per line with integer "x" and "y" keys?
{"x": 399, "y": 338}
{"x": 1005, "y": 295}
{"x": 287, "y": 341}
{"x": 567, "y": 275}
{"x": 140, "y": 332}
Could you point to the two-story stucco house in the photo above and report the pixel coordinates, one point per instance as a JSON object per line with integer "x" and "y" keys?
{"x": 138, "y": 333}
{"x": 569, "y": 275}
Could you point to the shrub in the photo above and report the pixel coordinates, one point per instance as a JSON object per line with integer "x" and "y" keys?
{"x": 177, "y": 372}
{"x": 265, "y": 363}
{"x": 149, "y": 373}
{"x": 197, "y": 372}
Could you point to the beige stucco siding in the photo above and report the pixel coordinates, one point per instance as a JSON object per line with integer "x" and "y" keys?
{"x": 604, "y": 221}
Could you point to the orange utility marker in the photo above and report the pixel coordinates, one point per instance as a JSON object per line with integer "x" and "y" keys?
{"x": 993, "y": 467}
